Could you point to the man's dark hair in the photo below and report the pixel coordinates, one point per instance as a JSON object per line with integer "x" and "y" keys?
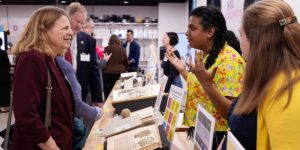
{"x": 129, "y": 30}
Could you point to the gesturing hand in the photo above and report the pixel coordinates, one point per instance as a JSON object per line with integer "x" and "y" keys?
{"x": 175, "y": 61}
{"x": 106, "y": 56}
{"x": 203, "y": 75}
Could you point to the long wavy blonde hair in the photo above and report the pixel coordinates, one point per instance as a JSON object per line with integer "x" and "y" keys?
{"x": 274, "y": 49}
{"x": 35, "y": 34}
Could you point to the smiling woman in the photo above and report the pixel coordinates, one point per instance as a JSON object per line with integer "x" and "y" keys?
{"x": 47, "y": 34}
{"x": 60, "y": 35}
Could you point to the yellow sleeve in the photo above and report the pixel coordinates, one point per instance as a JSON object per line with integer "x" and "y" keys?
{"x": 278, "y": 127}
{"x": 229, "y": 76}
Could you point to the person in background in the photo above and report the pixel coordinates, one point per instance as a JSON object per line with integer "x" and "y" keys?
{"x": 169, "y": 41}
{"x": 89, "y": 26}
{"x": 132, "y": 52}
{"x": 116, "y": 65}
{"x": 82, "y": 55}
{"x": 47, "y": 35}
{"x": 102, "y": 59}
{"x": 207, "y": 31}
{"x": 5, "y": 80}
{"x": 81, "y": 108}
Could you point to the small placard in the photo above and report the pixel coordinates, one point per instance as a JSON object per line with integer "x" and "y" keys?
{"x": 171, "y": 114}
{"x": 233, "y": 143}
{"x": 204, "y": 130}
{"x": 128, "y": 84}
{"x": 85, "y": 57}
{"x": 161, "y": 92}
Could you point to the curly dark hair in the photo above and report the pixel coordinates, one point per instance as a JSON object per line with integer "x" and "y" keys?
{"x": 212, "y": 17}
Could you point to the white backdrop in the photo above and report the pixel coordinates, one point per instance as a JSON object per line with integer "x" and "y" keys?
{"x": 233, "y": 12}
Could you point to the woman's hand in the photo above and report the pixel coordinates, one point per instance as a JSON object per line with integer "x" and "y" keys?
{"x": 178, "y": 63}
{"x": 49, "y": 145}
{"x": 106, "y": 56}
{"x": 203, "y": 75}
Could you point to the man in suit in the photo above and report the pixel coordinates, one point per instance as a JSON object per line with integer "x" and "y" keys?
{"x": 82, "y": 56}
{"x": 132, "y": 51}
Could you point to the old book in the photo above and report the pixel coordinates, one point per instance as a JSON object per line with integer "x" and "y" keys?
{"x": 144, "y": 138}
{"x": 122, "y": 125}
{"x": 122, "y": 95}
{"x": 146, "y": 115}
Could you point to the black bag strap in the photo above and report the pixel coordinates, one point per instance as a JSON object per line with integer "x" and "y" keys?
{"x": 47, "y": 116}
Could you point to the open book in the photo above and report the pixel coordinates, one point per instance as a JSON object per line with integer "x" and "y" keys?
{"x": 122, "y": 125}
{"x": 146, "y": 115}
{"x": 144, "y": 138}
{"x": 122, "y": 95}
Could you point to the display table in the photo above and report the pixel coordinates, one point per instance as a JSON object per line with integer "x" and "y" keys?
{"x": 96, "y": 142}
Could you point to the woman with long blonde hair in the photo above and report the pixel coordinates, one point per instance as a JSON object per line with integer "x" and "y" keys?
{"x": 47, "y": 35}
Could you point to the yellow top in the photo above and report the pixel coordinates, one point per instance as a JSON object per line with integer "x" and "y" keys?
{"x": 228, "y": 80}
{"x": 279, "y": 128}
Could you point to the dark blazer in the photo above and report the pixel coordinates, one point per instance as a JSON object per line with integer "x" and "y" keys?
{"x": 134, "y": 53}
{"x": 87, "y": 72}
{"x": 29, "y": 103}
{"x": 5, "y": 79}
{"x": 170, "y": 71}
{"x": 117, "y": 63}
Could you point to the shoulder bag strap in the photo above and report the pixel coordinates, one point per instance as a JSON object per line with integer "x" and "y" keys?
{"x": 48, "y": 111}
{"x": 48, "y": 103}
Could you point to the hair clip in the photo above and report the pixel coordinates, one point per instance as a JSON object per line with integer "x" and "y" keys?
{"x": 288, "y": 20}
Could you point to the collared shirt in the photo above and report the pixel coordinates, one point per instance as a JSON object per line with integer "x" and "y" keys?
{"x": 74, "y": 52}
{"x": 128, "y": 48}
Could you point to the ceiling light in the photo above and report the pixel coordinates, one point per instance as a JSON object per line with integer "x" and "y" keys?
{"x": 63, "y": 2}
{"x": 125, "y": 2}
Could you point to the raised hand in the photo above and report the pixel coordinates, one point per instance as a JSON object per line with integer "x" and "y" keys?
{"x": 203, "y": 75}
{"x": 106, "y": 56}
{"x": 176, "y": 62}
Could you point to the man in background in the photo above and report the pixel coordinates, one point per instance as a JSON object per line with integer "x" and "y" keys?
{"x": 102, "y": 59}
{"x": 132, "y": 51}
{"x": 82, "y": 56}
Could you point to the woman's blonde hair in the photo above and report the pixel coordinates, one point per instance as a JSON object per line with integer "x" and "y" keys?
{"x": 274, "y": 49}
{"x": 35, "y": 34}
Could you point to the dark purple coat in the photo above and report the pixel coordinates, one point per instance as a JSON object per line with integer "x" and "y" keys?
{"x": 29, "y": 103}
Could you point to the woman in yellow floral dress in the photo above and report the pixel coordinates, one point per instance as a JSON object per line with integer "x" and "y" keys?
{"x": 207, "y": 31}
